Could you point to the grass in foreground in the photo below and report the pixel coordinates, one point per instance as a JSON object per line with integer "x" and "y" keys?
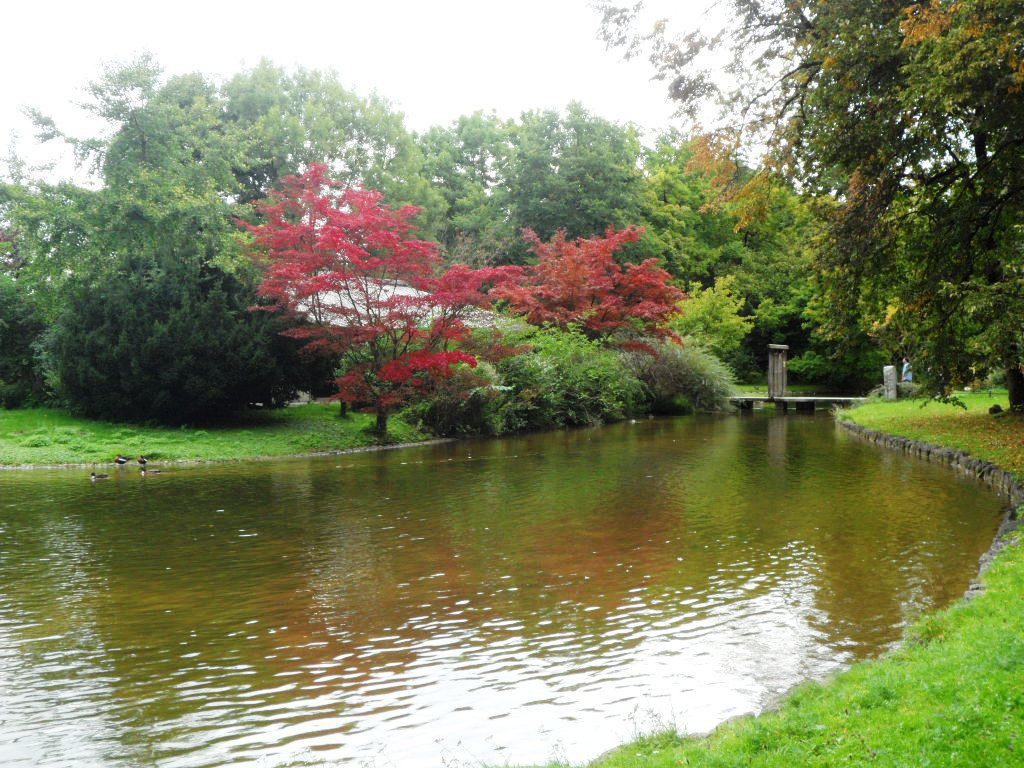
{"x": 49, "y": 436}
{"x": 952, "y": 695}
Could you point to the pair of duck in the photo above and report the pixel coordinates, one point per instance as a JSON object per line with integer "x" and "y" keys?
{"x": 121, "y": 461}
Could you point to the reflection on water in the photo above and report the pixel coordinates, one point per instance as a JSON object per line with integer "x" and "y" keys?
{"x": 486, "y": 602}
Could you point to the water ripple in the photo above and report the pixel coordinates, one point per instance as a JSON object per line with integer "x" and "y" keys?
{"x": 494, "y": 602}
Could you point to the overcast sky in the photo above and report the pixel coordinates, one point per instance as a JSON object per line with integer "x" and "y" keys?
{"x": 434, "y": 60}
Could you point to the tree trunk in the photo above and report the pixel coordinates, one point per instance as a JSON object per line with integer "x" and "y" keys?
{"x": 382, "y": 422}
{"x": 1014, "y": 374}
{"x": 1015, "y": 385}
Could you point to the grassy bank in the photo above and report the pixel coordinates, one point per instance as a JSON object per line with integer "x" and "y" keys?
{"x": 997, "y": 439}
{"x": 952, "y": 695}
{"x": 47, "y": 436}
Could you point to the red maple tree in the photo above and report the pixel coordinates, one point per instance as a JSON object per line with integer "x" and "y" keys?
{"x": 578, "y": 282}
{"x": 373, "y": 294}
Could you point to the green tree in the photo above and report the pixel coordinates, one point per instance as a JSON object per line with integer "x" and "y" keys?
{"x": 687, "y": 226}
{"x": 286, "y": 121}
{"x": 166, "y": 167}
{"x": 547, "y": 172}
{"x": 911, "y": 117}
{"x": 467, "y": 163}
{"x": 49, "y": 229}
{"x": 713, "y": 317}
{"x": 143, "y": 279}
{"x": 579, "y": 173}
{"x": 710, "y": 217}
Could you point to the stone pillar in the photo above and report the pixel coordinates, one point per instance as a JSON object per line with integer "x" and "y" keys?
{"x": 777, "y": 370}
{"x": 889, "y": 381}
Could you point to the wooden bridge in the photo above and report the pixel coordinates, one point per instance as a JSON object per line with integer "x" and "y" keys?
{"x": 799, "y": 402}
{"x": 777, "y": 389}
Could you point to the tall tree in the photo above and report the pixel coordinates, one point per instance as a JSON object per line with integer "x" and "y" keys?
{"x": 166, "y": 166}
{"x": 547, "y": 171}
{"x": 687, "y": 224}
{"x": 911, "y": 115}
{"x": 21, "y": 327}
{"x": 286, "y": 121}
{"x": 50, "y": 229}
{"x": 468, "y": 164}
{"x": 709, "y": 217}
{"x": 579, "y": 173}
{"x": 143, "y": 278}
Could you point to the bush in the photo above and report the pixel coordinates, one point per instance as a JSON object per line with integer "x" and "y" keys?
{"x": 810, "y": 366}
{"x": 688, "y": 372}
{"x": 464, "y": 404}
{"x": 565, "y": 379}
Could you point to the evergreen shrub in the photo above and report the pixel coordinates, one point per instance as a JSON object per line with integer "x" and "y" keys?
{"x": 169, "y": 340}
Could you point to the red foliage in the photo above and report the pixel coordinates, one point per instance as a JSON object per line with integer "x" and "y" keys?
{"x": 349, "y": 264}
{"x": 579, "y": 282}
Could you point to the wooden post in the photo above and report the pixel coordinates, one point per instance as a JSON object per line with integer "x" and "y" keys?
{"x": 777, "y": 370}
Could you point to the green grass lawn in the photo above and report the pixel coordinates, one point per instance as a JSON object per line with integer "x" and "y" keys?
{"x": 952, "y": 695}
{"x": 999, "y": 439}
{"x": 48, "y": 436}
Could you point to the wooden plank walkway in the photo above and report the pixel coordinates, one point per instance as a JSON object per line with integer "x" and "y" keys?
{"x": 799, "y": 402}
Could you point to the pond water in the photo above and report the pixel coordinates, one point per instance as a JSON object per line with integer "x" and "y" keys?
{"x": 486, "y": 602}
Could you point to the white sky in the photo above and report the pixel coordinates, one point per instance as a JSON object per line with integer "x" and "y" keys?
{"x": 433, "y": 60}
